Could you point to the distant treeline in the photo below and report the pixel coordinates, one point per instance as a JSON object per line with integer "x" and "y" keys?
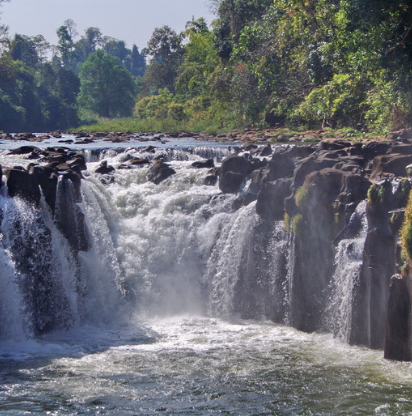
{"x": 324, "y": 63}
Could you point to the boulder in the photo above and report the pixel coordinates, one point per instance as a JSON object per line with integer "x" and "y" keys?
{"x": 372, "y": 149}
{"x": 327, "y": 182}
{"x": 402, "y": 149}
{"x": 47, "y": 179}
{"x": 355, "y": 187}
{"x": 309, "y": 165}
{"x": 334, "y": 144}
{"x": 69, "y": 218}
{"x": 236, "y": 164}
{"x": 212, "y": 177}
{"x": 394, "y": 164}
{"x": 209, "y": 163}
{"x": 159, "y": 172}
{"x": 280, "y": 166}
{"x": 104, "y": 168}
{"x": 78, "y": 163}
{"x": 233, "y": 173}
{"x": 23, "y": 150}
{"x": 22, "y": 183}
{"x": 266, "y": 150}
{"x": 271, "y": 199}
{"x": 298, "y": 152}
{"x": 139, "y": 162}
{"x": 231, "y": 182}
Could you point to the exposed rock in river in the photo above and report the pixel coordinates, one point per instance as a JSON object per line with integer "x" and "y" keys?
{"x": 320, "y": 208}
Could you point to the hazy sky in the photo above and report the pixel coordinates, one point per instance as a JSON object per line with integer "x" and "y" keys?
{"x": 130, "y": 20}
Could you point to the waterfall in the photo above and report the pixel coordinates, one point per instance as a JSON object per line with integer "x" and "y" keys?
{"x": 348, "y": 266}
{"x": 119, "y": 246}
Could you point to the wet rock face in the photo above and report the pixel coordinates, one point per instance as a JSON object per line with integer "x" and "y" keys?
{"x": 270, "y": 199}
{"x": 397, "y": 340}
{"x": 319, "y": 188}
{"x": 22, "y": 183}
{"x": 59, "y": 181}
{"x": 233, "y": 172}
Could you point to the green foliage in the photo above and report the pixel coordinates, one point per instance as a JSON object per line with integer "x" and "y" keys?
{"x": 339, "y": 99}
{"x": 299, "y": 225}
{"x": 376, "y": 195}
{"x": 290, "y": 63}
{"x": 166, "y": 52}
{"x": 406, "y": 233}
{"x": 286, "y": 222}
{"x": 106, "y": 88}
{"x": 301, "y": 197}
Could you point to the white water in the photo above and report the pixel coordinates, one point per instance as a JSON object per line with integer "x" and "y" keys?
{"x": 199, "y": 366}
{"x": 151, "y": 314}
{"x": 348, "y": 264}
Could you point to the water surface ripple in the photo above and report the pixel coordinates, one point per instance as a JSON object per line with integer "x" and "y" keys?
{"x": 199, "y": 366}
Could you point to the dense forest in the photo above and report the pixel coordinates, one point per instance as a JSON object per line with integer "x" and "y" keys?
{"x": 301, "y": 63}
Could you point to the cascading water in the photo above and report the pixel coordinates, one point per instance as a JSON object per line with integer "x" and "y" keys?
{"x": 348, "y": 266}
{"x": 141, "y": 312}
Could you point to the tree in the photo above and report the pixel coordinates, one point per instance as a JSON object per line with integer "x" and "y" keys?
{"x": 106, "y": 88}
{"x": 138, "y": 64}
{"x": 199, "y": 61}
{"x": 166, "y": 52}
{"x": 65, "y": 46}
{"x": 23, "y": 48}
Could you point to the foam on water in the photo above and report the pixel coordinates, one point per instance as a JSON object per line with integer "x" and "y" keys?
{"x": 149, "y": 324}
{"x": 197, "y": 365}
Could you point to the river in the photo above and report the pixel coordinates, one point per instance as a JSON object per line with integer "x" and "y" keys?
{"x": 150, "y": 308}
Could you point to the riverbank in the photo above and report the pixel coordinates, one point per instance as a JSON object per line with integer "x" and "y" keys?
{"x": 241, "y": 136}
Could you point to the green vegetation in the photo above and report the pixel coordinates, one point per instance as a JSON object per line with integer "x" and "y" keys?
{"x": 407, "y": 231}
{"x": 377, "y": 195}
{"x": 301, "y": 197}
{"x": 106, "y": 87}
{"x": 299, "y": 225}
{"x": 343, "y": 65}
{"x": 286, "y": 222}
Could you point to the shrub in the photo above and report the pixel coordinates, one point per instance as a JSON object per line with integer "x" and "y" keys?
{"x": 406, "y": 233}
{"x": 298, "y": 225}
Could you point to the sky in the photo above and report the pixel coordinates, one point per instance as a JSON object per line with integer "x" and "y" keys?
{"x": 130, "y": 20}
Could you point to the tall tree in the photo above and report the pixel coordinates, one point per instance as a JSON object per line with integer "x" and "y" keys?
{"x": 199, "y": 61}
{"x": 166, "y": 52}
{"x": 138, "y": 62}
{"x": 65, "y": 46}
{"x": 106, "y": 88}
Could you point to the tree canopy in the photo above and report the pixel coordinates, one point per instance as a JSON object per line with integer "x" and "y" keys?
{"x": 107, "y": 88}
{"x": 303, "y": 63}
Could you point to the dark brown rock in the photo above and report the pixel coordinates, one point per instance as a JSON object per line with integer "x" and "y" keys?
{"x": 47, "y": 178}
{"x": 139, "y": 162}
{"x": 231, "y": 182}
{"x": 394, "y": 164}
{"x": 159, "y": 172}
{"x": 104, "y": 168}
{"x": 206, "y": 164}
{"x": 271, "y": 199}
{"x": 280, "y": 166}
{"x": 22, "y": 183}
{"x": 397, "y": 340}
{"x": 309, "y": 165}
